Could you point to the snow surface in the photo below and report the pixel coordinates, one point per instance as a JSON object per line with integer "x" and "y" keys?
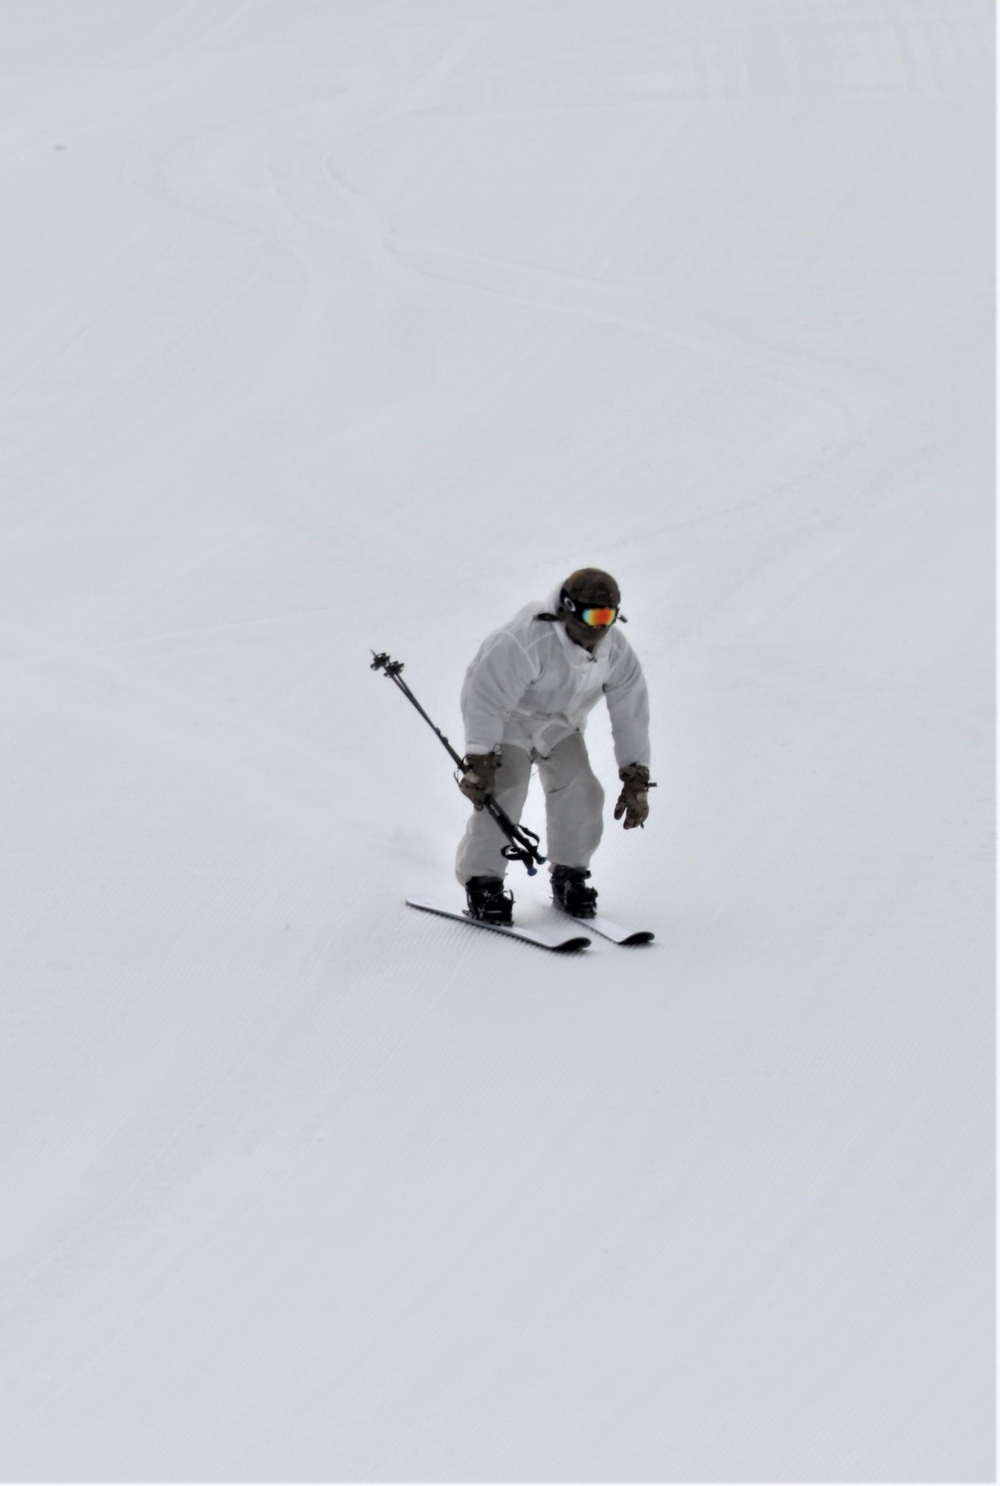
{"x": 331, "y": 325}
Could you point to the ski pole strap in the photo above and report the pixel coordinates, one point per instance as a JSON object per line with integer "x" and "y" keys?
{"x": 523, "y": 843}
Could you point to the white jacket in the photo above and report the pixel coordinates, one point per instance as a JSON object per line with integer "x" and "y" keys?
{"x": 530, "y": 684}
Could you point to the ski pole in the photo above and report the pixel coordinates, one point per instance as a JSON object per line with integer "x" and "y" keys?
{"x": 522, "y": 843}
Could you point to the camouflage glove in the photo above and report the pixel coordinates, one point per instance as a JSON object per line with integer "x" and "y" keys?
{"x": 478, "y": 773}
{"x": 633, "y": 802}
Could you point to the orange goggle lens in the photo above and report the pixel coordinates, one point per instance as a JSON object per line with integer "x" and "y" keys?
{"x": 598, "y": 618}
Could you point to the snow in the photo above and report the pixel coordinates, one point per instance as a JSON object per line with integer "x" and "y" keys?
{"x": 334, "y": 326}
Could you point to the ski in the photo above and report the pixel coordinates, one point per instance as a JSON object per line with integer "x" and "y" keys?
{"x": 609, "y": 930}
{"x": 547, "y": 937}
{"x": 602, "y": 926}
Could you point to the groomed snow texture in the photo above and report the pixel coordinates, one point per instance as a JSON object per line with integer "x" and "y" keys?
{"x": 340, "y": 325}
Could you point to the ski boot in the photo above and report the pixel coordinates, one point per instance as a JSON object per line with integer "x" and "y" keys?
{"x": 572, "y": 895}
{"x": 488, "y": 900}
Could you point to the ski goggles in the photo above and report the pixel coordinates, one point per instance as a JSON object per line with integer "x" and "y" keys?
{"x": 598, "y": 618}
{"x": 595, "y": 615}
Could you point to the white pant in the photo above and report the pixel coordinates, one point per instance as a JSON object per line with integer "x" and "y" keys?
{"x": 574, "y": 805}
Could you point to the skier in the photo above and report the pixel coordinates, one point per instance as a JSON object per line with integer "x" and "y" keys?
{"x": 525, "y": 700}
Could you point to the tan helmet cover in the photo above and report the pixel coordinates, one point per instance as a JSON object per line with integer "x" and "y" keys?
{"x": 593, "y": 586}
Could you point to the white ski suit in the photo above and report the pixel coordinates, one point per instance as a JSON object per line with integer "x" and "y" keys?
{"x": 528, "y": 691}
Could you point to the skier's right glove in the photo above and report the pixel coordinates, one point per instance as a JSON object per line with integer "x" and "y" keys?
{"x": 633, "y": 802}
{"x": 478, "y": 775}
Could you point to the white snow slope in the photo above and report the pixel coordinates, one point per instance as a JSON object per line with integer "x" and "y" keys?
{"x": 331, "y": 325}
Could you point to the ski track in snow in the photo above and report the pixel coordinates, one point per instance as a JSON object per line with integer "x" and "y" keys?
{"x": 340, "y": 328}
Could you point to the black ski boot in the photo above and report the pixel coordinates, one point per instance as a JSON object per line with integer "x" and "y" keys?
{"x": 572, "y": 895}
{"x": 488, "y": 900}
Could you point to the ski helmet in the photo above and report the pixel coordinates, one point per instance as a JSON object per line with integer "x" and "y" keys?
{"x": 590, "y": 587}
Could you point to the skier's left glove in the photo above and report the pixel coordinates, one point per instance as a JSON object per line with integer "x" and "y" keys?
{"x": 633, "y": 802}
{"x": 477, "y": 776}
